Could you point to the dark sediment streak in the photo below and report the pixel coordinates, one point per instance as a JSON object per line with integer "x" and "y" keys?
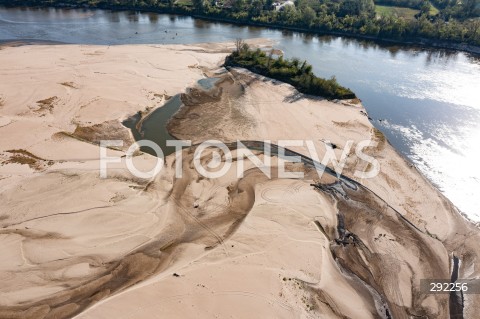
{"x": 456, "y": 297}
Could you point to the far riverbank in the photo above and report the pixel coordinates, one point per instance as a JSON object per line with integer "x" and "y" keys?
{"x": 406, "y": 41}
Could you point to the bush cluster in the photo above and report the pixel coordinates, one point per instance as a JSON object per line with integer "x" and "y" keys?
{"x": 292, "y": 71}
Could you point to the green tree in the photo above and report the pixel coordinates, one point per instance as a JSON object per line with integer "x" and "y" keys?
{"x": 198, "y": 5}
{"x": 309, "y": 16}
{"x": 239, "y": 5}
{"x": 256, "y": 7}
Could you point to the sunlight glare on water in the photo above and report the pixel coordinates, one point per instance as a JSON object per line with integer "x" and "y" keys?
{"x": 449, "y": 160}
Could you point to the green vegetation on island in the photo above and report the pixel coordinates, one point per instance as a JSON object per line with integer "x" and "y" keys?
{"x": 292, "y": 71}
{"x": 449, "y": 23}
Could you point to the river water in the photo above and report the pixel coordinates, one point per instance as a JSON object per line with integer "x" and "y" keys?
{"x": 426, "y": 101}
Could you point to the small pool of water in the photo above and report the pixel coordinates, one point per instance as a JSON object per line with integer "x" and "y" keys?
{"x": 208, "y": 83}
{"x": 154, "y": 126}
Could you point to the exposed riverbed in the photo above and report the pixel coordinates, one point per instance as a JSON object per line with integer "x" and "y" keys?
{"x": 425, "y": 101}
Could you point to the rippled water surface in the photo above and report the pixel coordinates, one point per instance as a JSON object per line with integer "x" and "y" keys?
{"x": 427, "y": 102}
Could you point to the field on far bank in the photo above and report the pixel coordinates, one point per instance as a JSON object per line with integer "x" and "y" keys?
{"x": 406, "y": 13}
{"x": 433, "y": 10}
{"x": 402, "y": 12}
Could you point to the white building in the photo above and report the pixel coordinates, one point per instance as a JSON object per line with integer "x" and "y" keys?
{"x": 278, "y": 6}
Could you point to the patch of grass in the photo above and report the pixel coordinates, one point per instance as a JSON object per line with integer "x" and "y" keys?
{"x": 433, "y": 10}
{"x": 184, "y": 3}
{"x": 405, "y": 13}
{"x": 379, "y": 137}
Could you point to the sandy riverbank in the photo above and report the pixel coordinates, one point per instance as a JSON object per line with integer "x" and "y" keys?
{"x": 240, "y": 247}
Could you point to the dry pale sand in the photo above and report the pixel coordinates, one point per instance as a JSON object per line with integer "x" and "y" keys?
{"x": 73, "y": 244}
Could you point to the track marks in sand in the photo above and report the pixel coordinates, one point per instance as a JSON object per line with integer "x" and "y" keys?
{"x": 58, "y": 214}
